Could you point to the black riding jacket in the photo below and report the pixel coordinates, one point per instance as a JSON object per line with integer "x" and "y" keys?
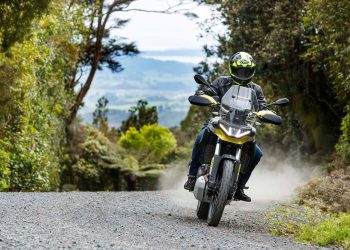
{"x": 224, "y": 83}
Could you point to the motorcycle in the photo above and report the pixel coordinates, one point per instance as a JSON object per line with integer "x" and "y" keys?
{"x": 233, "y": 124}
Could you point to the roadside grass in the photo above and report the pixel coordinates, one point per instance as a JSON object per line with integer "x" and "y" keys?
{"x": 310, "y": 225}
{"x": 333, "y": 230}
{"x": 319, "y": 213}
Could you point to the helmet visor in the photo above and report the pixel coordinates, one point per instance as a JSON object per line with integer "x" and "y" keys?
{"x": 243, "y": 73}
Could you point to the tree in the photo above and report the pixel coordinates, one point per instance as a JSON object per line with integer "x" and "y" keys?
{"x": 98, "y": 47}
{"x": 33, "y": 99}
{"x": 100, "y": 119}
{"x": 140, "y": 115}
{"x": 150, "y": 144}
{"x": 16, "y": 18}
{"x": 327, "y": 28}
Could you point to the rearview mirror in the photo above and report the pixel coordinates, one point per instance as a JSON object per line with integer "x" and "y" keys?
{"x": 282, "y": 102}
{"x": 200, "y": 80}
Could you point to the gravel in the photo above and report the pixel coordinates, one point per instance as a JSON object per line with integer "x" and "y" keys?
{"x": 129, "y": 220}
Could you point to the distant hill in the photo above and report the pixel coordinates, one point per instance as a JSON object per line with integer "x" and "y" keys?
{"x": 165, "y": 84}
{"x": 174, "y": 52}
{"x": 193, "y": 56}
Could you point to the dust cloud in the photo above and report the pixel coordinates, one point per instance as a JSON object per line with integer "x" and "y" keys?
{"x": 275, "y": 178}
{"x": 174, "y": 177}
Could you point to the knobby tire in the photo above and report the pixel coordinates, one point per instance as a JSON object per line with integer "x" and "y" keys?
{"x": 219, "y": 199}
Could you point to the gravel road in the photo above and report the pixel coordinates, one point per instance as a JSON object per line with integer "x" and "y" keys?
{"x": 128, "y": 220}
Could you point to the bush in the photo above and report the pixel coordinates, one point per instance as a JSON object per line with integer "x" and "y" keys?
{"x": 343, "y": 145}
{"x": 95, "y": 163}
{"x": 4, "y": 170}
{"x": 330, "y": 193}
{"x": 34, "y": 99}
{"x": 150, "y": 144}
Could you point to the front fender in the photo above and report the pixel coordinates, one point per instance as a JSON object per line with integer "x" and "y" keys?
{"x": 216, "y": 166}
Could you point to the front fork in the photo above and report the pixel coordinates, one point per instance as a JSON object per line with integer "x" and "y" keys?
{"x": 218, "y": 157}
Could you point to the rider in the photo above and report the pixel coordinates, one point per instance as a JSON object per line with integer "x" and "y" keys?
{"x": 241, "y": 69}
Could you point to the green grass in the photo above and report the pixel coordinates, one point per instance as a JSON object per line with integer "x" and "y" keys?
{"x": 333, "y": 230}
{"x": 310, "y": 225}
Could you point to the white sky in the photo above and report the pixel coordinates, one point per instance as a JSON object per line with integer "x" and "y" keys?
{"x": 152, "y": 31}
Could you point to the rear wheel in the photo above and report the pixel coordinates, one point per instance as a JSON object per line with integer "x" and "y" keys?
{"x": 202, "y": 210}
{"x": 219, "y": 198}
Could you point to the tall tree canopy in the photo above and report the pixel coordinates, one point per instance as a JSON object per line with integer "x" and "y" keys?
{"x": 98, "y": 47}
{"x": 16, "y": 17}
{"x": 34, "y": 101}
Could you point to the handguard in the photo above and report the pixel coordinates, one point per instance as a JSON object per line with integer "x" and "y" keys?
{"x": 269, "y": 117}
{"x": 202, "y": 100}
{"x": 210, "y": 98}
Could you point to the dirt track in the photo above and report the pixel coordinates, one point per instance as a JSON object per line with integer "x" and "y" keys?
{"x": 138, "y": 220}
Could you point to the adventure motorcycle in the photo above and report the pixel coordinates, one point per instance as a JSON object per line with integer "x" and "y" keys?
{"x": 233, "y": 123}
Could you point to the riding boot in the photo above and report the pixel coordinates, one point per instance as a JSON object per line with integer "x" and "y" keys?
{"x": 190, "y": 183}
{"x": 240, "y": 195}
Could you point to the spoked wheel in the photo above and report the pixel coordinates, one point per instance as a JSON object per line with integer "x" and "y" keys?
{"x": 219, "y": 198}
{"x": 202, "y": 210}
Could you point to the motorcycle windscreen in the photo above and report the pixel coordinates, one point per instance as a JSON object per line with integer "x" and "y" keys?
{"x": 237, "y": 103}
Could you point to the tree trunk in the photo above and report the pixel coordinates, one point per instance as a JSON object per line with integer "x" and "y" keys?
{"x": 101, "y": 23}
{"x": 83, "y": 91}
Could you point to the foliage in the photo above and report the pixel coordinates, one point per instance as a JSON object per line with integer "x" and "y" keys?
{"x": 288, "y": 219}
{"x": 100, "y": 119}
{"x": 4, "y": 170}
{"x": 334, "y": 230}
{"x": 150, "y": 144}
{"x": 34, "y": 102}
{"x": 95, "y": 163}
{"x": 328, "y": 48}
{"x": 44, "y": 44}
{"x": 139, "y": 116}
{"x": 310, "y": 225}
{"x": 326, "y": 24}
{"x": 16, "y": 18}
{"x": 329, "y": 193}
{"x": 343, "y": 145}
{"x": 194, "y": 120}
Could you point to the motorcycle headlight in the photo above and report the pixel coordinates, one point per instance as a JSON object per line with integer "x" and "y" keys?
{"x": 235, "y": 132}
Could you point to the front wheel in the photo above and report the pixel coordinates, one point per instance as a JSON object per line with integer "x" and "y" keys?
{"x": 219, "y": 198}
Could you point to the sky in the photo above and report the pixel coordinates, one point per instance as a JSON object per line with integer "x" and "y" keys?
{"x": 158, "y": 32}
{"x": 152, "y": 31}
